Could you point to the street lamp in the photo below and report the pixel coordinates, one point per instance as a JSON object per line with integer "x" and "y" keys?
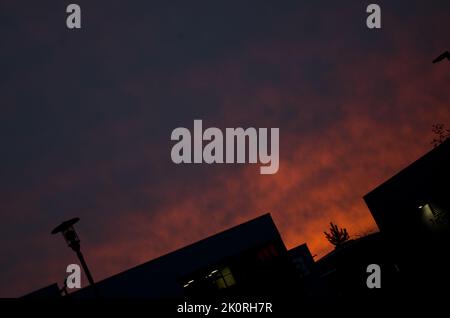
{"x": 70, "y": 235}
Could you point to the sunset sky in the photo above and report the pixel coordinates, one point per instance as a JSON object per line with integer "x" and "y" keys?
{"x": 86, "y": 117}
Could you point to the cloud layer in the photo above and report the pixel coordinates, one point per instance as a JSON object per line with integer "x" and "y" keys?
{"x": 86, "y": 123}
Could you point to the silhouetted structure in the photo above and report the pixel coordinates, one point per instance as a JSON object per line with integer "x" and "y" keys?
{"x": 443, "y": 56}
{"x": 67, "y": 229}
{"x": 249, "y": 259}
{"x": 343, "y": 272}
{"x": 411, "y": 210}
{"x": 51, "y": 291}
{"x": 302, "y": 259}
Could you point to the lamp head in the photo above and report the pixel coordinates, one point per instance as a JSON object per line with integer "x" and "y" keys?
{"x": 69, "y": 233}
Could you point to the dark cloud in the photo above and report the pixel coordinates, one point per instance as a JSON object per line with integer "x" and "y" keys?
{"x": 86, "y": 118}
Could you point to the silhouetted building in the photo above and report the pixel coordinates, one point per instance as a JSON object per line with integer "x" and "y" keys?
{"x": 411, "y": 210}
{"x": 51, "y": 291}
{"x": 343, "y": 272}
{"x": 303, "y": 260}
{"x": 417, "y": 199}
{"x": 249, "y": 259}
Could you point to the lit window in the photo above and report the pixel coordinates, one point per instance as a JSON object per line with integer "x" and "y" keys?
{"x": 215, "y": 279}
{"x": 188, "y": 284}
{"x": 432, "y": 215}
{"x": 224, "y": 278}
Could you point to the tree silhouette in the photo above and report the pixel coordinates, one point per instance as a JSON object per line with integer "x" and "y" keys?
{"x": 337, "y": 236}
{"x": 440, "y": 134}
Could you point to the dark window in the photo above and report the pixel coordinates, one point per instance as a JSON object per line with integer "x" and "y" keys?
{"x": 267, "y": 253}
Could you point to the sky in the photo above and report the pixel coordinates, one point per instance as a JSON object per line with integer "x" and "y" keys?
{"x": 86, "y": 117}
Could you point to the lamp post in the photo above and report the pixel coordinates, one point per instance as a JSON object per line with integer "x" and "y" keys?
{"x": 67, "y": 229}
